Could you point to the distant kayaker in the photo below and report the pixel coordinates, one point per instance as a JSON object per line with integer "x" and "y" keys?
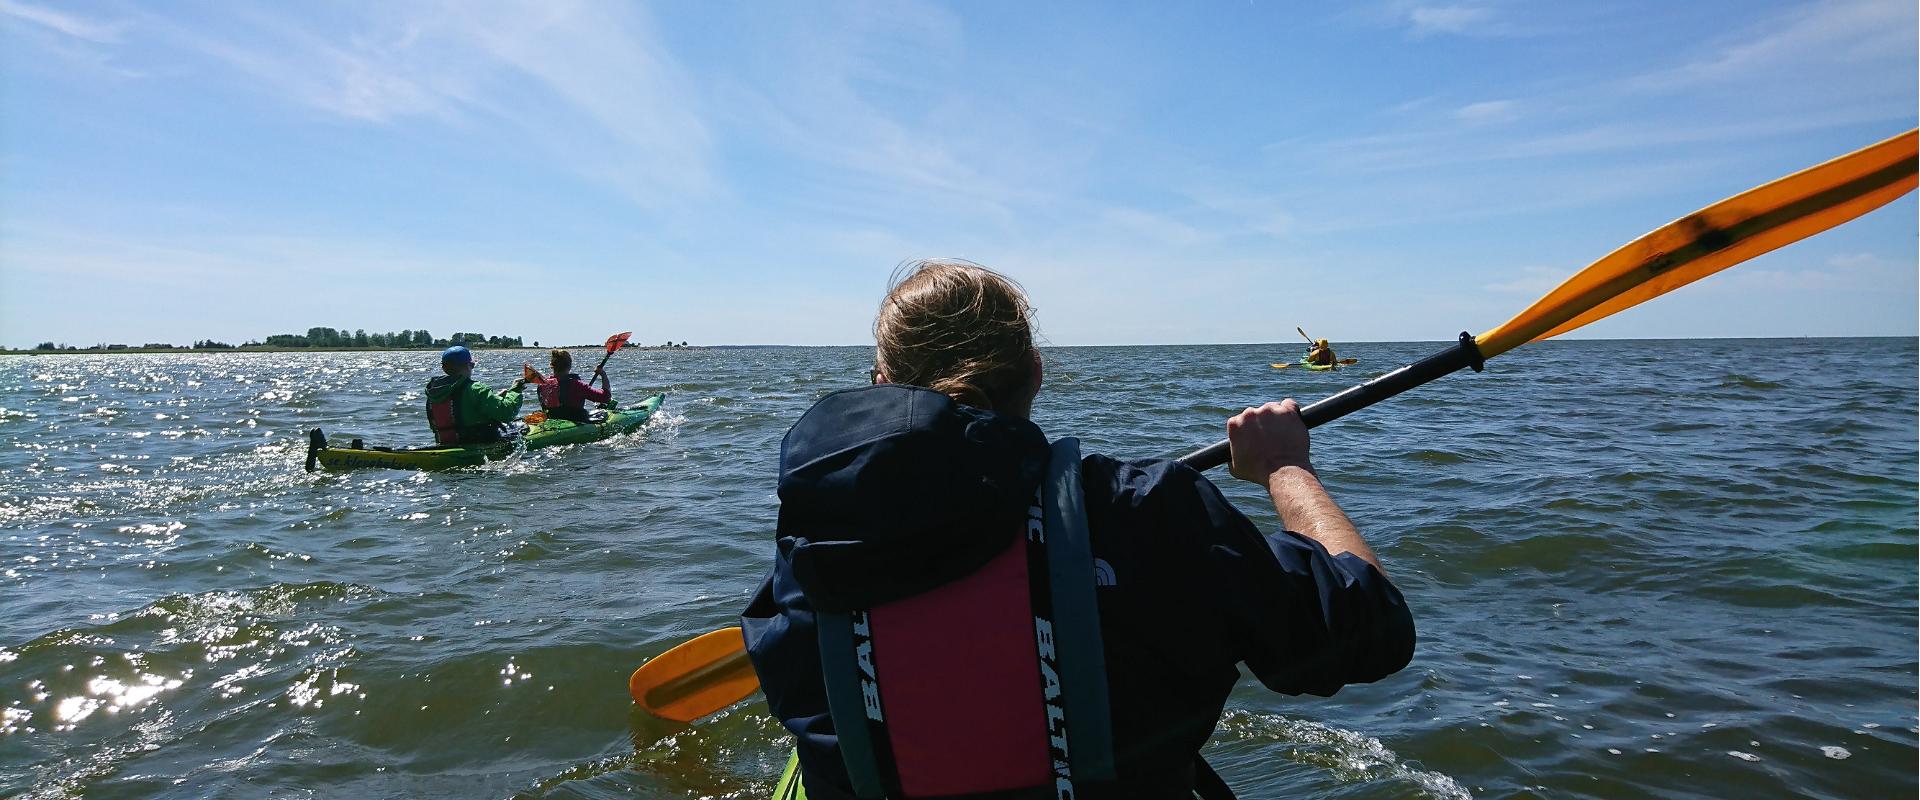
{"x": 464, "y": 412}
{"x": 925, "y": 586}
{"x": 1321, "y": 354}
{"x": 564, "y": 396}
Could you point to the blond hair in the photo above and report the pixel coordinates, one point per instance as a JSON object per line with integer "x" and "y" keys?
{"x": 957, "y": 328}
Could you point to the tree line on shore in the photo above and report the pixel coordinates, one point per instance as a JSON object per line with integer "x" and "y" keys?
{"x": 330, "y": 337}
{"x": 321, "y": 337}
{"x": 324, "y": 337}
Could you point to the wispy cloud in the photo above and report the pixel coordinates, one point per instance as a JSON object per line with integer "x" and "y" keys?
{"x": 1856, "y": 261}
{"x": 1457, "y": 20}
{"x": 1838, "y": 31}
{"x": 1160, "y": 228}
{"x": 1532, "y": 281}
{"x": 589, "y": 86}
{"x": 888, "y": 103}
{"x": 1489, "y": 111}
{"x": 64, "y": 22}
{"x": 1789, "y": 73}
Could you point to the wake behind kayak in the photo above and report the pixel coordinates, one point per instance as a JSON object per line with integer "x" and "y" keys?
{"x": 548, "y": 433}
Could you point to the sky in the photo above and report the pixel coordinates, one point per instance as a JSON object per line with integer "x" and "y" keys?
{"x": 752, "y": 173}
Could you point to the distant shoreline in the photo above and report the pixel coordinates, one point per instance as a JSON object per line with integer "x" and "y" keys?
{"x": 96, "y": 351}
{"x": 596, "y": 346}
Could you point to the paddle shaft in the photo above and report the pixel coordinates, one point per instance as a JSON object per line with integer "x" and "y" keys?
{"x": 606, "y": 384}
{"x": 603, "y": 361}
{"x": 1453, "y": 359}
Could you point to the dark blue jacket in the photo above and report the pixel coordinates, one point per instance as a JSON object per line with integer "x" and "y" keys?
{"x": 888, "y": 491}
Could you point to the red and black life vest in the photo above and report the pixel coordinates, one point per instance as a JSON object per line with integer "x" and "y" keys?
{"x": 445, "y": 420}
{"x": 993, "y": 685}
{"x": 561, "y": 398}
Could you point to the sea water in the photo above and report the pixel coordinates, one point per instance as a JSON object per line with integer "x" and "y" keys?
{"x": 1638, "y": 568}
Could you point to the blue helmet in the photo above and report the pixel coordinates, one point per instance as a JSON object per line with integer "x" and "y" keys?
{"x": 457, "y": 354}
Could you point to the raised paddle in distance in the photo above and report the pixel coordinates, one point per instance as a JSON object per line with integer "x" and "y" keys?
{"x": 1702, "y": 243}
{"x": 1310, "y": 342}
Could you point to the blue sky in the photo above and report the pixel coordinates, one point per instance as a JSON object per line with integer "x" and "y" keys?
{"x": 731, "y": 173}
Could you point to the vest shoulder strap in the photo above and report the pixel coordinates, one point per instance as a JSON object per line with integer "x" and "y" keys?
{"x": 1082, "y": 653}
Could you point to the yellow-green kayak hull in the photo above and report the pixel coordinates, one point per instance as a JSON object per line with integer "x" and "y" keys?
{"x": 550, "y": 433}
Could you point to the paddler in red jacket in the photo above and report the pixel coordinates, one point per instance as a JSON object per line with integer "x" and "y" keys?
{"x": 564, "y": 396}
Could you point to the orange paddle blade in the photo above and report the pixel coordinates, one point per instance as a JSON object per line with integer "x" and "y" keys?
{"x": 618, "y": 340}
{"x": 532, "y": 375}
{"x": 1717, "y": 237}
{"x": 700, "y": 677}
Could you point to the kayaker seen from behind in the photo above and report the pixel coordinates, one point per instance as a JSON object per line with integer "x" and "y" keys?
{"x": 464, "y": 412}
{"x": 957, "y": 606}
{"x": 1321, "y": 354}
{"x": 564, "y": 396}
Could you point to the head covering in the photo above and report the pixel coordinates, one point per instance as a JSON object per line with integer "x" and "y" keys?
{"x": 1320, "y": 343}
{"x": 456, "y": 354}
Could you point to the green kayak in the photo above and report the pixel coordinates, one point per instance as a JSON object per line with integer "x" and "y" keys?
{"x": 790, "y": 787}
{"x": 548, "y": 433}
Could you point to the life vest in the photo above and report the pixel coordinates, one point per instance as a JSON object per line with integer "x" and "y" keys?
{"x": 559, "y": 399}
{"x": 991, "y": 686}
{"x": 444, "y": 417}
{"x": 445, "y": 422}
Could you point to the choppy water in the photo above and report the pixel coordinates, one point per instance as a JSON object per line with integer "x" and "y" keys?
{"x": 1675, "y": 569}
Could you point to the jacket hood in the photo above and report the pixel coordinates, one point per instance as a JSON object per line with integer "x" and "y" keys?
{"x": 442, "y": 387}
{"x": 887, "y": 491}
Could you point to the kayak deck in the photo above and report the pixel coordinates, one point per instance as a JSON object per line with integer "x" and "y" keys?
{"x": 548, "y": 433}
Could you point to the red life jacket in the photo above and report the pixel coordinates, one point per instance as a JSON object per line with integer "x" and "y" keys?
{"x": 561, "y": 398}
{"x": 444, "y": 416}
{"x": 446, "y": 424}
{"x": 972, "y": 688}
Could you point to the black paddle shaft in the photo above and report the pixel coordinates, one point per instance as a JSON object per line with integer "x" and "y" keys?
{"x": 1448, "y": 361}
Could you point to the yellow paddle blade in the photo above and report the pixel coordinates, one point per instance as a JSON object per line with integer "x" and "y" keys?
{"x": 700, "y": 677}
{"x": 1717, "y": 237}
{"x": 1283, "y": 366}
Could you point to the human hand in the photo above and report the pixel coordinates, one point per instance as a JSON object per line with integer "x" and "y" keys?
{"x": 1267, "y": 439}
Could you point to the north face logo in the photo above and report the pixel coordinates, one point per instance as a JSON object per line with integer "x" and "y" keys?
{"x": 1103, "y": 573}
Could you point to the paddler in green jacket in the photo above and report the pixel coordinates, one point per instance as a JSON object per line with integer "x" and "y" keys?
{"x": 1321, "y": 354}
{"x": 463, "y": 412}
